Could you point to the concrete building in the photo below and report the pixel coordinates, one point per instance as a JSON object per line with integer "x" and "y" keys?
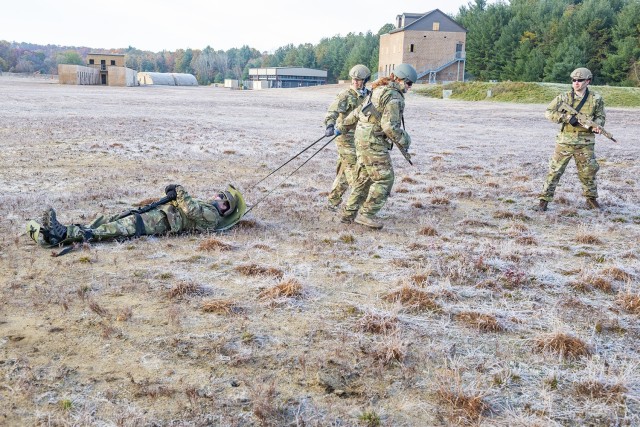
{"x": 102, "y": 62}
{"x": 77, "y": 75}
{"x": 286, "y": 77}
{"x": 432, "y": 42}
{"x": 167, "y": 79}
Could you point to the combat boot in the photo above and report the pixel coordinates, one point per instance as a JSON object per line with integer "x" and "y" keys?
{"x": 56, "y": 231}
{"x": 333, "y": 207}
{"x": 369, "y": 222}
{"x": 592, "y": 203}
{"x": 542, "y": 206}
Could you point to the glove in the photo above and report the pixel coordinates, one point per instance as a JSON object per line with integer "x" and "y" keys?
{"x": 573, "y": 121}
{"x": 329, "y": 131}
{"x": 337, "y": 132}
{"x": 170, "y": 191}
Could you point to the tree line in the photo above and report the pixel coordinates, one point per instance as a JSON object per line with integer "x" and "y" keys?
{"x": 519, "y": 40}
{"x": 543, "y": 40}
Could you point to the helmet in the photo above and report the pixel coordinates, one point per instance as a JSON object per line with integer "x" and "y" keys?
{"x": 581, "y": 73}
{"x": 405, "y": 72}
{"x": 237, "y": 208}
{"x": 360, "y": 72}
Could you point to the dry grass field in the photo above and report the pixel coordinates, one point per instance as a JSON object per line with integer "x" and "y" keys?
{"x": 468, "y": 308}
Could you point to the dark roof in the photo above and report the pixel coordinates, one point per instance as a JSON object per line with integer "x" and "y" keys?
{"x": 422, "y": 16}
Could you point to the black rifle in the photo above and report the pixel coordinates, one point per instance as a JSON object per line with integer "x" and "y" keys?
{"x": 147, "y": 208}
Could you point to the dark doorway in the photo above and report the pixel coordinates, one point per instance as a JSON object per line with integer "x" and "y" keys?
{"x": 104, "y": 79}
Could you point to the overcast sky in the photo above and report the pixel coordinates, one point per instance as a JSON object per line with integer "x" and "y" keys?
{"x": 158, "y": 25}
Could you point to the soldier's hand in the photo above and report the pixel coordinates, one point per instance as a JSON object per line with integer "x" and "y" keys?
{"x": 329, "y": 131}
{"x": 170, "y": 191}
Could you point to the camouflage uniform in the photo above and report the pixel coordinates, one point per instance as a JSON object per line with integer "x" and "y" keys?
{"x": 345, "y": 103}
{"x": 574, "y": 142}
{"x": 183, "y": 214}
{"x": 374, "y": 170}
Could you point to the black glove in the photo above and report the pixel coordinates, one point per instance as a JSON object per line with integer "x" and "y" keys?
{"x": 330, "y": 131}
{"x": 170, "y": 191}
{"x": 573, "y": 121}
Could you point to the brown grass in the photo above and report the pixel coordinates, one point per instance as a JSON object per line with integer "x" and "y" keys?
{"x": 599, "y": 390}
{"x": 413, "y": 299}
{"x": 440, "y": 201}
{"x": 257, "y": 270}
{"x": 465, "y": 404}
{"x": 288, "y": 289}
{"x": 391, "y": 349}
{"x": 145, "y": 202}
{"x": 220, "y": 306}
{"x": 629, "y": 302}
{"x": 211, "y": 244}
{"x": 408, "y": 180}
{"x": 183, "y": 289}
{"x": 616, "y": 273}
{"x": 511, "y": 215}
{"x": 97, "y": 309}
{"x": 377, "y": 323}
{"x": 588, "y": 239}
{"x": 420, "y": 279}
{"x": 124, "y": 314}
{"x": 480, "y": 321}
{"x": 527, "y": 240}
{"x": 428, "y": 231}
{"x": 565, "y": 345}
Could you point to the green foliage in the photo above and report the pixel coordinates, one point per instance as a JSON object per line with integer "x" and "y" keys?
{"x": 538, "y": 41}
{"x": 527, "y": 93}
{"x": 70, "y": 57}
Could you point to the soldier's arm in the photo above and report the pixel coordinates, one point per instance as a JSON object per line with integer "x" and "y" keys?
{"x": 553, "y": 112}
{"x": 350, "y": 121}
{"x": 194, "y": 209}
{"x": 391, "y": 120}
{"x": 599, "y": 115}
{"x": 337, "y": 107}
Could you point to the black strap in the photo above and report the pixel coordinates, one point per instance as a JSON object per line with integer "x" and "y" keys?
{"x": 584, "y": 99}
{"x": 139, "y": 225}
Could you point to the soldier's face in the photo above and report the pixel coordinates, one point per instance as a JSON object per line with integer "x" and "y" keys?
{"x": 357, "y": 84}
{"x": 580, "y": 84}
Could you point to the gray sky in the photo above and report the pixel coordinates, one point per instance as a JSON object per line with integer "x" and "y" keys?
{"x": 169, "y": 25}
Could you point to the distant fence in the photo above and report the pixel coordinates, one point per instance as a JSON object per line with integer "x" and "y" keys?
{"x": 29, "y": 75}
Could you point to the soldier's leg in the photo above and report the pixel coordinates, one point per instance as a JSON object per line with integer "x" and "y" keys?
{"x": 340, "y": 184}
{"x": 382, "y": 176}
{"x": 587, "y": 168}
{"x": 359, "y": 192}
{"x": 153, "y": 222}
{"x": 557, "y": 165}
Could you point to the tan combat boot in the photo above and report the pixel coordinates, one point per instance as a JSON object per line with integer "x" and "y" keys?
{"x": 592, "y": 203}
{"x": 369, "y": 222}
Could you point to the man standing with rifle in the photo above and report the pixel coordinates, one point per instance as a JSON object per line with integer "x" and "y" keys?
{"x": 175, "y": 213}
{"x": 582, "y": 115}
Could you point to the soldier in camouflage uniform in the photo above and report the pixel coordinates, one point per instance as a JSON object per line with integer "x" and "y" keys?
{"x": 181, "y": 213}
{"x": 379, "y": 125}
{"x": 575, "y": 141}
{"x": 345, "y": 103}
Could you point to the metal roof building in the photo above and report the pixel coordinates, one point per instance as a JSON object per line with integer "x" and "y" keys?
{"x": 286, "y": 77}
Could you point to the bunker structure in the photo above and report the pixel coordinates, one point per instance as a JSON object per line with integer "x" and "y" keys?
{"x": 432, "y": 42}
{"x": 167, "y": 79}
{"x": 286, "y": 77}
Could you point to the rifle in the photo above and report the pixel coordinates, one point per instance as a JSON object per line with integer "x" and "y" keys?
{"x": 369, "y": 109}
{"x": 585, "y": 121}
{"x": 146, "y": 208}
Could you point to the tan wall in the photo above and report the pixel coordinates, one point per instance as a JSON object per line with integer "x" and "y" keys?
{"x": 77, "y": 75}
{"x": 119, "y": 59}
{"x": 431, "y": 50}
{"x": 121, "y": 76}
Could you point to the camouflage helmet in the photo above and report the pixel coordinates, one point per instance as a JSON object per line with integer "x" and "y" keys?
{"x": 405, "y": 72}
{"x": 581, "y": 73}
{"x": 360, "y": 72}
